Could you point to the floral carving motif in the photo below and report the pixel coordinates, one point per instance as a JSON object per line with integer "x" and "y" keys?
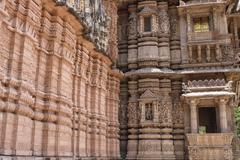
{"x": 133, "y": 113}
{"x": 178, "y": 113}
{"x": 149, "y": 146}
{"x": 165, "y": 112}
{"x": 193, "y": 153}
{"x": 227, "y": 53}
{"x": 227, "y": 154}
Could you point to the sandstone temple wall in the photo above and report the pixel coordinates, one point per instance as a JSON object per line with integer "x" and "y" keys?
{"x": 58, "y": 95}
{"x": 181, "y": 64}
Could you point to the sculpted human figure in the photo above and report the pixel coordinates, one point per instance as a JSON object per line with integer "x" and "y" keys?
{"x": 148, "y": 113}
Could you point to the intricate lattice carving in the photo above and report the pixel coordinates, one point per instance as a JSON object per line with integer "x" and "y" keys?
{"x": 206, "y": 83}
{"x": 178, "y": 113}
{"x": 165, "y": 112}
{"x": 149, "y": 146}
{"x": 133, "y": 113}
{"x": 227, "y": 53}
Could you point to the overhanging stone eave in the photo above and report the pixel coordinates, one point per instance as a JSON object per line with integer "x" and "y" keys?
{"x": 207, "y": 70}
{"x": 196, "y": 5}
{"x": 169, "y": 72}
{"x": 150, "y": 71}
{"x": 209, "y": 94}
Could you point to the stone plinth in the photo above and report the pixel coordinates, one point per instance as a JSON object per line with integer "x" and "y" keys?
{"x": 210, "y": 146}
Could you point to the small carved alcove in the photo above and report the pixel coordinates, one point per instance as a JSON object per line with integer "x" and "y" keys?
{"x": 148, "y": 106}
{"x": 147, "y": 20}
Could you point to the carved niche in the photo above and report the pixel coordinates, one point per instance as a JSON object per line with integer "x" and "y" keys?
{"x": 147, "y": 20}
{"x": 148, "y": 104}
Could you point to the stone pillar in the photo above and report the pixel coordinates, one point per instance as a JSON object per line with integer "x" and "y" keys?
{"x": 190, "y": 54}
{"x": 132, "y": 37}
{"x": 208, "y": 53}
{"x": 175, "y": 49}
{"x": 223, "y": 115}
{"x": 164, "y": 29}
{"x": 189, "y": 25}
{"x": 199, "y": 58}
{"x": 193, "y": 109}
{"x": 166, "y": 119}
{"x": 183, "y": 38}
{"x": 178, "y": 119}
{"x": 132, "y": 120}
{"x": 235, "y": 25}
{"x": 123, "y": 118}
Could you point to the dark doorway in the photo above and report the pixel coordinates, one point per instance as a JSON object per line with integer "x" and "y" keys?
{"x": 207, "y": 118}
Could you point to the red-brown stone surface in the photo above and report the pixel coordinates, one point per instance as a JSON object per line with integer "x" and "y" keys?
{"x": 58, "y": 95}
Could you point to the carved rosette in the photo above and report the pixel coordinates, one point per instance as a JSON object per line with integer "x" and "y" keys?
{"x": 228, "y": 154}
{"x": 193, "y": 153}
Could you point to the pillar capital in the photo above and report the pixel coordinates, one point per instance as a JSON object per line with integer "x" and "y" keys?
{"x": 192, "y": 101}
{"x": 222, "y": 100}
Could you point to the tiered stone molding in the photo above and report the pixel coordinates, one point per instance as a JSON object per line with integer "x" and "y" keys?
{"x": 58, "y": 95}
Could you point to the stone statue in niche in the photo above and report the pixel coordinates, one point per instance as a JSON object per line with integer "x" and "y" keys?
{"x": 149, "y": 111}
{"x": 163, "y": 20}
{"x": 132, "y": 24}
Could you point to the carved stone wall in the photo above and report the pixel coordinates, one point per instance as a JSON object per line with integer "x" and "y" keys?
{"x": 58, "y": 95}
{"x": 159, "y": 56}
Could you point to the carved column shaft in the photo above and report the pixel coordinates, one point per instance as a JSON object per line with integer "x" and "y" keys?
{"x": 235, "y": 25}
{"x": 223, "y": 115}
{"x": 208, "y": 53}
{"x": 193, "y": 108}
{"x": 189, "y": 27}
{"x": 199, "y": 51}
{"x": 190, "y": 54}
{"x": 164, "y": 34}
{"x": 132, "y": 37}
{"x": 218, "y": 53}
